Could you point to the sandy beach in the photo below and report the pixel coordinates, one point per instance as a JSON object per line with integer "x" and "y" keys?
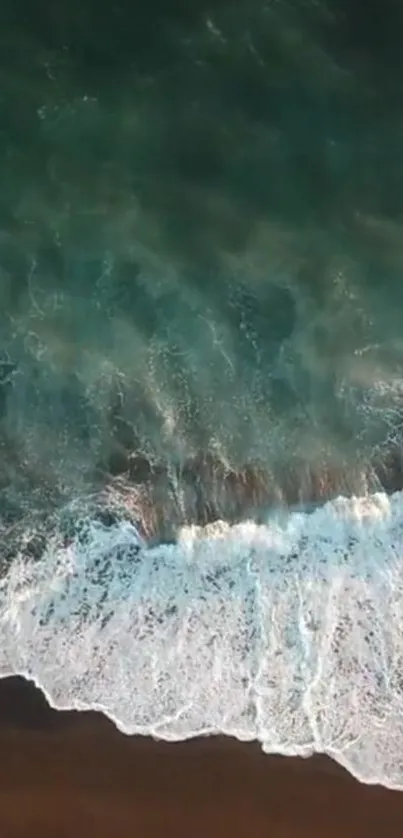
{"x": 72, "y": 774}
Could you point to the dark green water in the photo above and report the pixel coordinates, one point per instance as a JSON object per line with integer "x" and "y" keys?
{"x": 200, "y": 237}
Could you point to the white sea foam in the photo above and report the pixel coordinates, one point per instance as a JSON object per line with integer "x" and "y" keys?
{"x": 290, "y": 632}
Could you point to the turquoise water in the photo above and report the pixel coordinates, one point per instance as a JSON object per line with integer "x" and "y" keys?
{"x": 199, "y": 235}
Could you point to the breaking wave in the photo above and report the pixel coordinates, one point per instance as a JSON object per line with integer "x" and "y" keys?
{"x": 288, "y": 632}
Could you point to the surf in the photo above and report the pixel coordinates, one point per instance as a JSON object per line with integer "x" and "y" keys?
{"x": 287, "y": 632}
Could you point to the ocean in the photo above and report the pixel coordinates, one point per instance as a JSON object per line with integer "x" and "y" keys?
{"x": 201, "y": 389}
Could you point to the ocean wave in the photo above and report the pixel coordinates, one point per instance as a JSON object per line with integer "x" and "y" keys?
{"x": 287, "y": 632}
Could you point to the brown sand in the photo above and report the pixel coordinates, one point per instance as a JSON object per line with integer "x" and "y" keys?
{"x": 69, "y": 774}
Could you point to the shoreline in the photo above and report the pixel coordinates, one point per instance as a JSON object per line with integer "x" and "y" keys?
{"x": 65, "y": 772}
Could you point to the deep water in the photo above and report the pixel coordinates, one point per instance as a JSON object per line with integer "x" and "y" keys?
{"x": 200, "y": 242}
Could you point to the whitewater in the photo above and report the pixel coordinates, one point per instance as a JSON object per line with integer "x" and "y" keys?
{"x": 288, "y": 632}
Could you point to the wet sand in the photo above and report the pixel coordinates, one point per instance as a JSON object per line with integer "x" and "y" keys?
{"x": 74, "y": 774}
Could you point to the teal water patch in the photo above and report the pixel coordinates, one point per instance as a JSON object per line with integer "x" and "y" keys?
{"x": 200, "y": 240}
{"x": 200, "y": 245}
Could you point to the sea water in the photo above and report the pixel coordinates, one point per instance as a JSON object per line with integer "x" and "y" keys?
{"x": 201, "y": 369}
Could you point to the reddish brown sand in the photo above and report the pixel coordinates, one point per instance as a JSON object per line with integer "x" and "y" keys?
{"x": 69, "y": 774}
